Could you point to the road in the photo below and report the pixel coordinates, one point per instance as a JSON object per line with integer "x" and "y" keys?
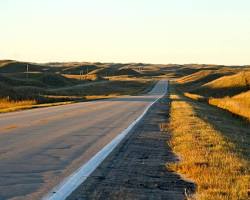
{"x": 40, "y": 147}
{"x": 136, "y": 169}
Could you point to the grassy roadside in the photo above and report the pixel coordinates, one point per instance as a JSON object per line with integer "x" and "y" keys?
{"x": 213, "y": 148}
{"x": 6, "y": 103}
{"x": 23, "y": 105}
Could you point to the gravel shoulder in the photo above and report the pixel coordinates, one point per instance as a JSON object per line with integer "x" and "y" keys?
{"x": 136, "y": 168}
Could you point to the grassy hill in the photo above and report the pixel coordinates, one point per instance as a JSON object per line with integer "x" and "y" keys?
{"x": 21, "y": 67}
{"x": 55, "y": 82}
{"x": 238, "y": 104}
{"x": 62, "y": 81}
{"x": 6, "y": 91}
{"x": 87, "y": 68}
{"x": 213, "y": 144}
{"x": 226, "y": 86}
{"x": 106, "y": 71}
{"x": 202, "y": 77}
{"x": 128, "y": 72}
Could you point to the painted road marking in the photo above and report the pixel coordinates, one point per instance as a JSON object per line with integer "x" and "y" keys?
{"x": 69, "y": 184}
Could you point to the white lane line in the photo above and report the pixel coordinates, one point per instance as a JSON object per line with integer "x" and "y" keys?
{"x": 69, "y": 184}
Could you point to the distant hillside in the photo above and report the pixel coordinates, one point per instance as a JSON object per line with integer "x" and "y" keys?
{"x": 202, "y": 77}
{"x": 20, "y": 67}
{"x": 226, "y": 88}
{"x": 128, "y": 72}
{"x": 226, "y": 85}
{"x": 104, "y": 71}
{"x": 13, "y": 81}
{"x": 113, "y": 70}
{"x": 238, "y": 104}
{"x": 76, "y": 69}
{"x": 55, "y": 80}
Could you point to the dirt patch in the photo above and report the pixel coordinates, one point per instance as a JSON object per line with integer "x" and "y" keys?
{"x": 136, "y": 168}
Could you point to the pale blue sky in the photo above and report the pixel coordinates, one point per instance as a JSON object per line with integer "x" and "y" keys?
{"x": 155, "y": 31}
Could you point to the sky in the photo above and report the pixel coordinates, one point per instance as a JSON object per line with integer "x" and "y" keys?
{"x": 149, "y": 31}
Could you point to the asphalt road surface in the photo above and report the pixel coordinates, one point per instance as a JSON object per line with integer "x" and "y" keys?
{"x": 40, "y": 147}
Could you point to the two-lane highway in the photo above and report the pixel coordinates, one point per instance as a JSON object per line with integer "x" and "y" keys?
{"x": 40, "y": 147}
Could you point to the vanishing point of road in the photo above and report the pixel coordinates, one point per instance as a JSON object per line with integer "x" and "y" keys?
{"x": 40, "y": 147}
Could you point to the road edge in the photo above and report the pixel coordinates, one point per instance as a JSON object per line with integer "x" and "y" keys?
{"x": 70, "y": 183}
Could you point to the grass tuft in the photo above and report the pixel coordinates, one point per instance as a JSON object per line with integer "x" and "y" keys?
{"x": 6, "y": 103}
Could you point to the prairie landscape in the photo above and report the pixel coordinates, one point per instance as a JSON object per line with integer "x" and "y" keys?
{"x": 209, "y": 120}
{"x": 209, "y": 111}
{"x": 125, "y": 100}
{"x": 26, "y": 85}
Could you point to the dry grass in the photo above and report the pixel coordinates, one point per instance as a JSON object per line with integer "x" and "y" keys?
{"x": 96, "y": 97}
{"x": 60, "y": 82}
{"x": 195, "y": 97}
{"x": 216, "y": 159}
{"x": 241, "y": 79}
{"x": 203, "y": 76}
{"x": 89, "y": 77}
{"x": 10, "y": 106}
{"x": 7, "y": 103}
{"x": 243, "y": 96}
{"x": 228, "y": 85}
{"x": 221, "y": 88}
{"x": 104, "y": 88}
{"x": 92, "y": 90}
{"x": 239, "y": 107}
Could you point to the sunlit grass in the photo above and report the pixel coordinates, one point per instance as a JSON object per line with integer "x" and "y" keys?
{"x": 7, "y": 103}
{"x": 239, "y": 105}
{"x": 91, "y": 77}
{"x": 195, "y": 96}
{"x": 207, "y": 157}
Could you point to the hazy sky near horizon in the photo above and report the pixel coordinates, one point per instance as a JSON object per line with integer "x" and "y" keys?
{"x": 152, "y": 31}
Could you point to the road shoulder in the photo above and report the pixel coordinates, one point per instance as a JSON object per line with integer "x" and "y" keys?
{"x": 136, "y": 168}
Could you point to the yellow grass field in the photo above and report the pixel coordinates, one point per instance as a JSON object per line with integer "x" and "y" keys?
{"x": 213, "y": 149}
